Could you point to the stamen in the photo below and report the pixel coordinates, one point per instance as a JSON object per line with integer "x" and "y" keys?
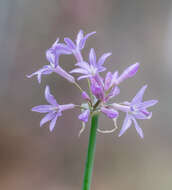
{"x": 82, "y": 129}
{"x": 109, "y": 131}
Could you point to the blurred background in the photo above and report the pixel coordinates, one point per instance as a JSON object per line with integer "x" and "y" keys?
{"x": 33, "y": 158}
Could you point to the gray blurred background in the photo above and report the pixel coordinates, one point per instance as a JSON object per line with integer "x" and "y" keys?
{"x": 33, "y": 158}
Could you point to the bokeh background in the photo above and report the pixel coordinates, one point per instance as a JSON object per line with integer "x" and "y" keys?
{"x": 33, "y": 158}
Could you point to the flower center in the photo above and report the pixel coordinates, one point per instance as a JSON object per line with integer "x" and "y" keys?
{"x": 93, "y": 70}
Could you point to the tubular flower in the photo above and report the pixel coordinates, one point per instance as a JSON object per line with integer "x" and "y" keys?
{"x": 84, "y": 116}
{"x": 136, "y": 109}
{"x": 128, "y": 73}
{"x": 53, "y": 110}
{"x": 100, "y": 89}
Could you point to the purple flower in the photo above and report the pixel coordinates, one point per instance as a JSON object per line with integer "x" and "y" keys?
{"x": 84, "y": 116}
{"x": 136, "y": 109}
{"x": 78, "y": 45}
{"x": 52, "y": 56}
{"x": 101, "y": 90}
{"x": 53, "y": 110}
{"x": 92, "y": 68}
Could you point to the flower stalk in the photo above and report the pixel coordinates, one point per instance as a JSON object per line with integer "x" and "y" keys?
{"x": 90, "y": 154}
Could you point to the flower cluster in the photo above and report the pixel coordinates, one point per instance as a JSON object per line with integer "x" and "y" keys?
{"x": 101, "y": 90}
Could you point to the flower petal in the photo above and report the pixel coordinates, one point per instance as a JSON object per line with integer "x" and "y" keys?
{"x": 108, "y": 80}
{"x": 114, "y": 78}
{"x": 70, "y": 43}
{"x": 83, "y": 40}
{"x": 79, "y": 37}
{"x": 61, "y": 48}
{"x": 49, "y": 97}
{"x": 59, "y": 70}
{"x": 55, "y": 43}
{"x": 147, "y": 104}
{"x": 50, "y": 56}
{"x": 45, "y": 70}
{"x": 139, "y": 96}
{"x": 101, "y": 69}
{"x": 114, "y": 92}
{"x": 83, "y": 65}
{"x": 79, "y": 70}
{"x": 126, "y": 124}
{"x": 143, "y": 114}
{"x": 92, "y": 57}
{"x": 53, "y": 122}
{"x": 83, "y": 77}
{"x": 47, "y": 118}
{"x": 103, "y": 58}
{"x": 42, "y": 108}
{"x": 138, "y": 129}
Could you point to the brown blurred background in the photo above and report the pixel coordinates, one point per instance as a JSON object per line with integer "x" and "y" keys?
{"x": 33, "y": 158}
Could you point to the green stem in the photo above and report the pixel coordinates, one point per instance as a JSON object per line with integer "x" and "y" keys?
{"x": 90, "y": 155}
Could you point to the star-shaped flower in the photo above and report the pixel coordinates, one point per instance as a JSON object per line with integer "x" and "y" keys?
{"x": 92, "y": 68}
{"x": 52, "y": 56}
{"x": 53, "y": 111}
{"x": 136, "y": 109}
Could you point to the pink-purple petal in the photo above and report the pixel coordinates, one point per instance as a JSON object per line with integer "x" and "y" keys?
{"x": 55, "y": 43}
{"x": 83, "y": 77}
{"x": 139, "y": 96}
{"x": 114, "y": 78}
{"x": 103, "y": 58}
{"x": 79, "y": 37}
{"x": 83, "y": 40}
{"x": 50, "y": 56}
{"x": 69, "y": 43}
{"x": 143, "y": 115}
{"x": 49, "y": 97}
{"x": 92, "y": 57}
{"x": 83, "y": 65}
{"x": 138, "y": 129}
{"x": 148, "y": 103}
{"x": 79, "y": 70}
{"x": 114, "y": 92}
{"x": 59, "y": 70}
{"x": 45, "y": 70}
{"x": 108, "y": 79}
{"x": 53, "y": 122}
{"x": 47, "y": 118}
{"x": 126, "y": 124}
